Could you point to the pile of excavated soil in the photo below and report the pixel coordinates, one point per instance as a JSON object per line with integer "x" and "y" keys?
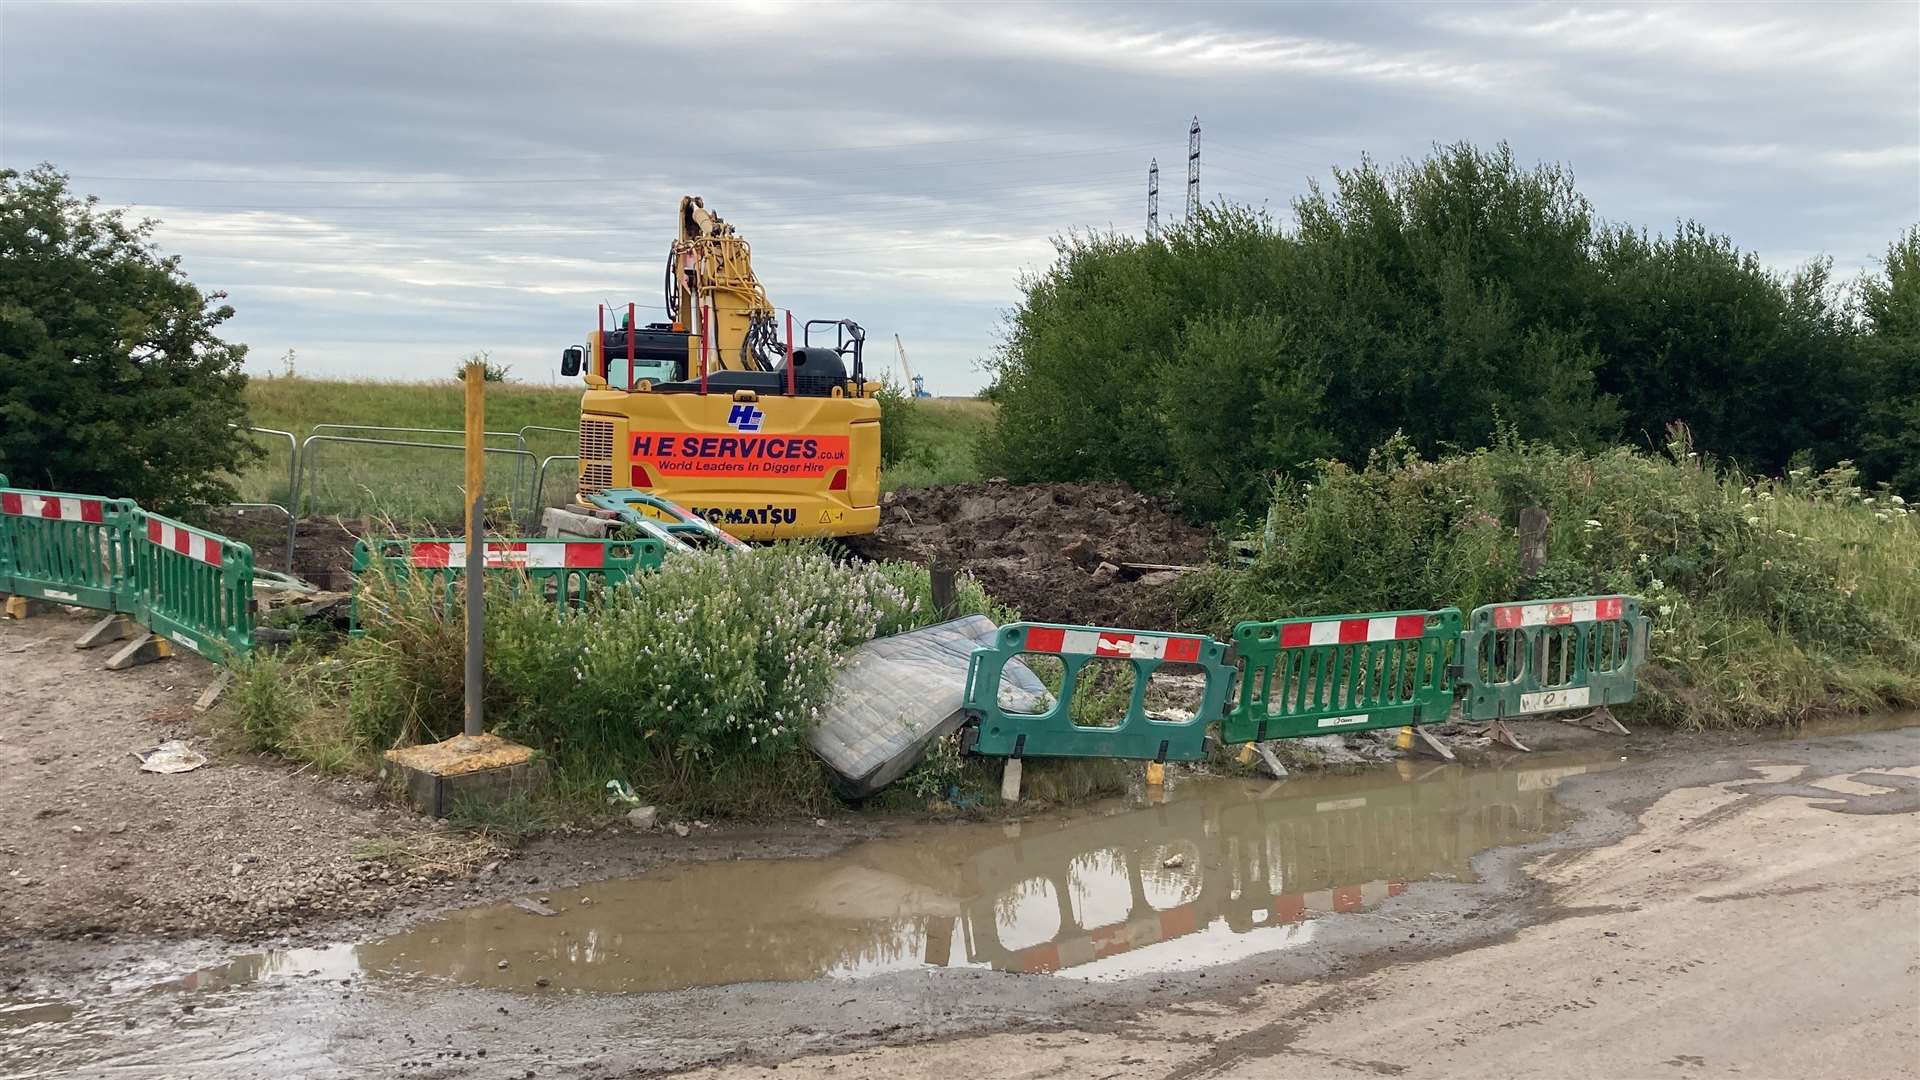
{"x": 323, "y": 553}
{"x": 1058, "y": 552}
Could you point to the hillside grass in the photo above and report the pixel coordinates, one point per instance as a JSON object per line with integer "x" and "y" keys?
{"x": 419, "y": 486}
{"x": 937, "y": 441}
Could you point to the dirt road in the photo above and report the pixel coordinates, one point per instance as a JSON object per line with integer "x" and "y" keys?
{"x": 1733, "y": 910}
{"x": 1767, "y": 925}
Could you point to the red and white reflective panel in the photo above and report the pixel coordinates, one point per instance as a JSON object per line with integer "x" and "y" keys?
{"x": 193, "y": 544}
{"x": 1558, "y": 613}
{"x": 51, "y": 507}
{"x": 1352, "y": 631}
{"x": 509, "y": 553}
{"x": 1126, "y": 644}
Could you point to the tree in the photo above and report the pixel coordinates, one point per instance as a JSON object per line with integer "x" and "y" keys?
{"x": 1890, "y": 305}
{"x": 112, "y": 380}
{"x": 1759, "y": 366}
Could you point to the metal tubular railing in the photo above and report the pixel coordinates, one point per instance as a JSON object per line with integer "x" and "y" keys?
{"x": 540, "y": 487}
{"x": 521, "y": 457}
{"x": 293, "y": 486}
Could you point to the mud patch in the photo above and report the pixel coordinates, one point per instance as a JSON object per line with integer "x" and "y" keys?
{"x": 323, "y": 551}
{"x": 1039, "y": 547}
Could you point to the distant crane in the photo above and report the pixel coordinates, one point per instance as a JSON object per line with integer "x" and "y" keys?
{"x": 918, "y": 383}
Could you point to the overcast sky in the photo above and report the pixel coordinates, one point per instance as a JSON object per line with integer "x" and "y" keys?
{"x": 388, "y": 187}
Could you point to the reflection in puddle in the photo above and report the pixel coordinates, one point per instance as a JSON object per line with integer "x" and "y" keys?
{"x": 1097, "y": 896}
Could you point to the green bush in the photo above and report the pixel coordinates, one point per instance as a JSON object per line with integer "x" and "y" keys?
{"x": 696, "y": 683}
{"x": 1769, "y": 599}
{"x": 1435, "y": 299}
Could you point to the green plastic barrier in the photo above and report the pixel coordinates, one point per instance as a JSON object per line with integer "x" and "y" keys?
{"x": 565, "y": 569}
{"x": 1005, "y": 731}
{"x": 70, "y": 549}
{"x": 1547, "y": 656}
{"x": 192, "y": 587}
{"x": 1317, "y": 676}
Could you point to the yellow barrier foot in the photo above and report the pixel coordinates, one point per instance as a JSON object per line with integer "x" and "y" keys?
{"x": 484, "y": 769}
{"x": 1600, "y": 720}
{"x": 1247, "y": 753}
{"x": 144, "y": 649}
{"x": 1499, "y": 732}
{"x": 1424, "y": 743}
{"x": 1010, "y": 781}
{"x": 111, "y": 628}
{"x": 19, "y": 607}
{"x": 1156, "y": 774}
{"x": 213, "y": 691}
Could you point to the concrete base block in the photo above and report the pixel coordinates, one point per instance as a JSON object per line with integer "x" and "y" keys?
{"x": 143, "y": 649}
{"x": 485, "y": 769}
{"x": 20, "y": 607}
{"x": 557, "y": 522}
{"x": 1010, "y": 781}
{"x": 112, "y": 628}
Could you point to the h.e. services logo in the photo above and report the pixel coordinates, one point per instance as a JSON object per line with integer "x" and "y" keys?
{"x": 745, "y": 418}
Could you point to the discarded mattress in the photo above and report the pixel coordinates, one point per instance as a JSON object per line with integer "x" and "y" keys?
{"x": 897, "y": 694}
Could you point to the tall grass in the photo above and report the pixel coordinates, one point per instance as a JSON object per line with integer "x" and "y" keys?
{"x": 696, "y": 684}
{"x": 1770, "y": 599}
{"x": 407, "y": 485}
{"x": 930, "y": 441}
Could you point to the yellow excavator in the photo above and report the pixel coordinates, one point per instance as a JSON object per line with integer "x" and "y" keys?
{"x": 717, "y": 411}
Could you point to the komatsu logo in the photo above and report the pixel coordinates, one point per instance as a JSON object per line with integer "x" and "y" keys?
{"x": 745, "y": 418}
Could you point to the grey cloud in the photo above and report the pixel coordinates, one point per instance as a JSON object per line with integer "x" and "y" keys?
{"x": 388, "y": 187}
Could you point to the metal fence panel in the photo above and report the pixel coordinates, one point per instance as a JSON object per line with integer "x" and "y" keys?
{"x": 1548, "y": 656}
{"x": 1007, "y": 729}
{"x": 1342, "y": 673}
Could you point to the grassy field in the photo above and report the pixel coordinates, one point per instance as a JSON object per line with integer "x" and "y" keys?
{"x": 940, "y": 436}
{"x": 409, "y": 485}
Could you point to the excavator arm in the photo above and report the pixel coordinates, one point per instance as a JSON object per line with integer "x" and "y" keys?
{"x": 711, "y": 288}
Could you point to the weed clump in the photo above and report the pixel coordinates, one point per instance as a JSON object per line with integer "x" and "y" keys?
{"x": 1769, "y": 599}
{"x": 696, "y": 683}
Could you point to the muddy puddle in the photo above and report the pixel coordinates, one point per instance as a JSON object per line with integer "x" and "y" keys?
{"x": 1220, "y": 869}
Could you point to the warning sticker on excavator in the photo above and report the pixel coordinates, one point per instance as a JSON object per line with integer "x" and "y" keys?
{"x": 682, "y": 453}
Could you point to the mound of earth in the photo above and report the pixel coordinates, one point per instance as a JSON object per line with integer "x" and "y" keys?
{"x": 1087, "y": 553}
{"x": 323, "y": 555}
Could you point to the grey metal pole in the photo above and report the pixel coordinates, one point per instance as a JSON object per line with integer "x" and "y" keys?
{"x": 476, "y": 619}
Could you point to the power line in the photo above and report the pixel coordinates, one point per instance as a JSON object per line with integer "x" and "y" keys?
{"x": 416, "y": 180}
{"x": 775, "y": 201}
